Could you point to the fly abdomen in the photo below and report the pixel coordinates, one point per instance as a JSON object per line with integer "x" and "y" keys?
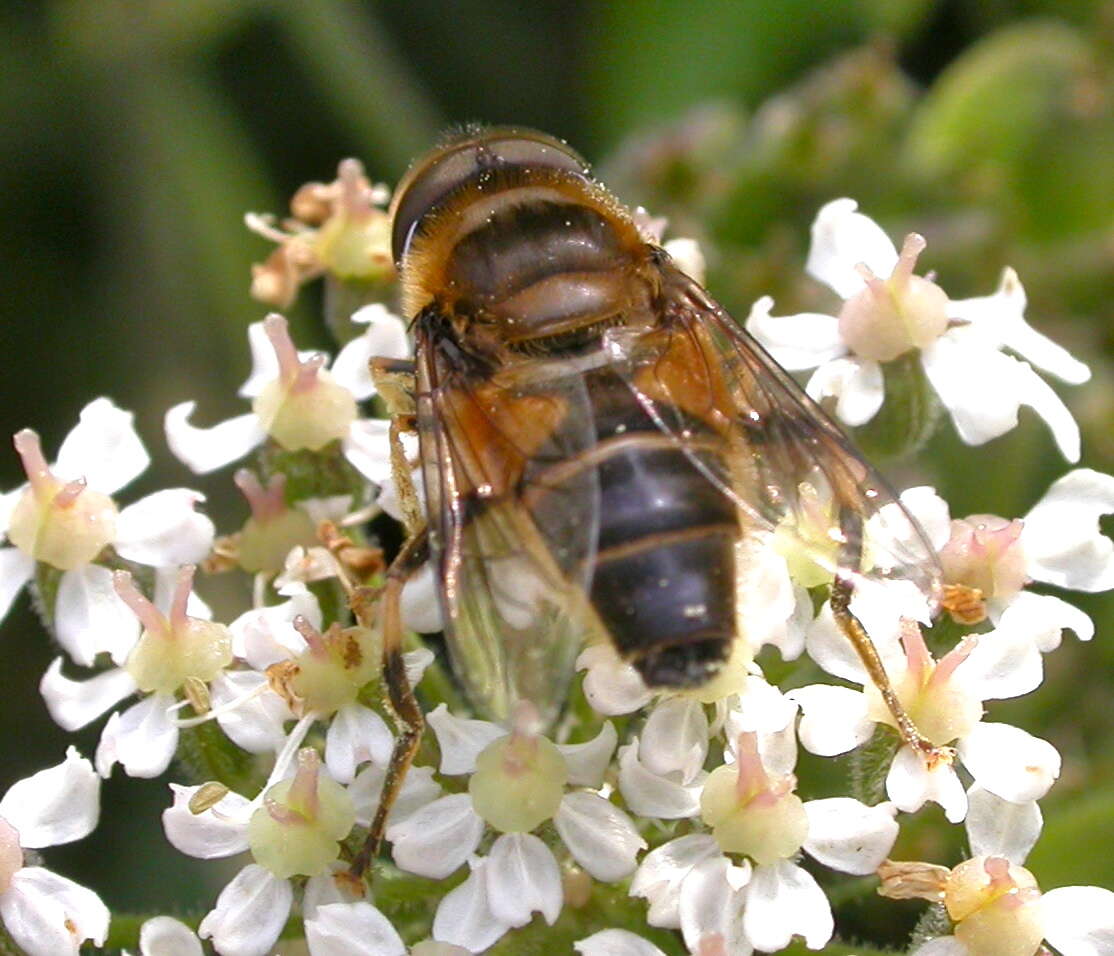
{"x": 664, "y": 583}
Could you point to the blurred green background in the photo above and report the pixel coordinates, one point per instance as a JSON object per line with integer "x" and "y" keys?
{"x": 134, "y": 135}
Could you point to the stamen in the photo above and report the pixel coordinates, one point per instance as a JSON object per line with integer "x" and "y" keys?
{"x": 752, "y": 778}
{"x": 913, "y": 246}
{"x": 278, "y": 331}
{"x": 149, "y": 615}
{"x": 265, "y": 503}
{"x": 181, "y": 597}
{"x": 313, "y": 637}
{"x": 956, "y": 656}
{"x": 306, "y": 377}
{"x": 69, "y": 493}
{"x": 214, "y": 712}
{"x": 303, "y": 790}
{"x": 916, "y": 651}
{"x": 30, "y": 452}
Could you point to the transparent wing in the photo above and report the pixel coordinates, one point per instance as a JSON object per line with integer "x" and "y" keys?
{"x": 514, "y": 556}
{"x": 791, "y": 471}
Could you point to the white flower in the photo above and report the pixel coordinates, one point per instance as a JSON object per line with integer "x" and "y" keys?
{"x": 995, "y": 903}
{"x": 175, "y": 648}
{"x": 518, "y": 782}
{"x": 293, "y": 828}
{"x": 888, "y": 311}
{"x": 691, "y": 883}
{"x": 64, "y": 517}
{"x": 946, "y": 698}
{"x": 166, "y": 936}
{"x": 297, "y": 403}
{"x": 330, "y": 670}
{"x": 1058, "y": 542}
{"x": 46, "y": 914}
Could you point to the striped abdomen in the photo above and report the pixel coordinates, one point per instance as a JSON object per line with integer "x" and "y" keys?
{"x": 664, "y": 578}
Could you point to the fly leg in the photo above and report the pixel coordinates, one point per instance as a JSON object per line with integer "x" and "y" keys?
{"x": 851, "y": 628}
{"x": 409, "y": 721}
{"x": 395, "y": 381}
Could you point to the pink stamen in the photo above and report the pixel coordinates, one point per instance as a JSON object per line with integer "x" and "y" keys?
{"x": 306, "y": 376}
{"x": 303, "y": 789}
{"x": 149, "y": 615}
{"x": 30, "y": 452}
{"x": 265, "y": 503}
{"x": 278, "y": 331}
{"x": 956, "y": 656}
{"x": 314, "y": 638}
{"x": 910, "y": 249}
{"x": 281, "y": 813}
{"x": 181, "y": 596}
{"x": 916, "y": 651}
{"x": 350, "y": 175}
{"x": 70, "y": 492}
{"x": 752, "y": 780}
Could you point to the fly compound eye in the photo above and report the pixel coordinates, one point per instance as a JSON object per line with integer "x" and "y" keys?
{"x": 466, "y": 158}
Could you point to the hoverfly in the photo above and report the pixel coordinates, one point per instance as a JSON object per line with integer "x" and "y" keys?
{"x": 600, "y": 442}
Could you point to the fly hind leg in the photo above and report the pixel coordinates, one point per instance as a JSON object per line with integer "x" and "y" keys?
{"x": 851, "y": 628}
{"x": 409, "y": 721}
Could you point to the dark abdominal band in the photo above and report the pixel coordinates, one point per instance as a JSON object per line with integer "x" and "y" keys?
{"x": 664, "y": 582}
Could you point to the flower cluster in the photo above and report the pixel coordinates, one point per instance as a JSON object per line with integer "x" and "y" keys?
{"x": 642, "y": 821}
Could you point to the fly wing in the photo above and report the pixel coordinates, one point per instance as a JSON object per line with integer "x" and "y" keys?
{"x": 795, "y": 477}
{"x": 514, "y": 557}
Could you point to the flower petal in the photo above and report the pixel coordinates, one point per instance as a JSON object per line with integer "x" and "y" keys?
{"x": 54, "y": 806}
{"x": 435, "y": 840}
{"x": 1009, "y": 762}
{"x": 352, "y": 929}
{"x": 675, "y": 738}
{"x": 418, "y": 789}
{"x": 461, "y": 739}
{"x": 649, "y": 795}
{"x": 599, "y": 835}
{"x": 1001, "y": 317}
{"x": 1061, "y": 536}
{"x": 615, "y": 942}
{"x": 910, "y": 784}
{"x": 978, "y": 385}
{"x": 783, "y": 901}
{"x": 796, "y": 341}
{"x": 1079, "y": 920}
{"x": 833, "y": 719}
{"x": 48, "y": 915}
{"x": 368, "y": 448}
{"x": 464, "y": 915}
{"x": 848, "y": 835}
{"x": 73, "y": 703}
{"x": 142, "y": 739}
{"x": 266, "y": 635}
{"x": 1005, "y": 662}
{"x": 355, "y": 734}
{"x": 420, "y": 605}
{"x": 996, "y": 827}
{"x": 588, "y": 762}
{"x": 385, "y": 338}
{"x": 90, "y": 618}
{"x": 523, "y": 878}
{"x": 16, "y": 569}
{"x": 166, "y": 936}
{"x": 103, "y": 448}
{"x": 219, "y": 831}
{"x": 164, "y": 529}
{"x": 712, "y": 899}
{"x": 256, "y": 721}
{"x": 611, "y": 685}
{"x": 250, "y": 913}
{"x": 207, "y": 449}
{"x": 1046, "y": 617}
{"x": 857, "y": 385}
{"x": 663, "y": 870}
{"x": 841, "y": 239}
